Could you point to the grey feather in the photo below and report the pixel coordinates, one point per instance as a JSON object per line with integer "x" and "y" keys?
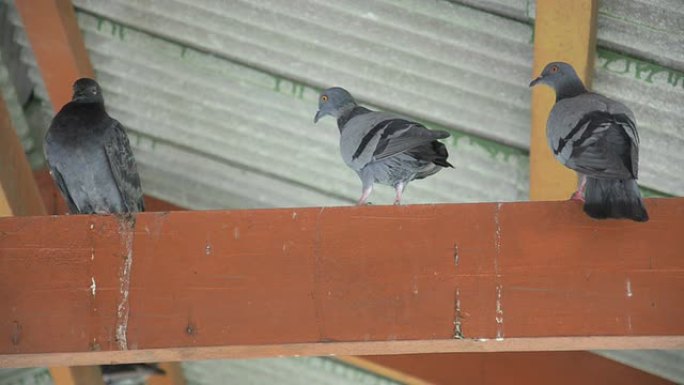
{"x": 383, "y": 147}
{"x": 90, "y": 158}
{"x": 597, "y": 137}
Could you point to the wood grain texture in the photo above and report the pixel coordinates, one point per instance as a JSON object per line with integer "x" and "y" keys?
{"x": 563, "y": 31}
{"x": 346, "y": 280}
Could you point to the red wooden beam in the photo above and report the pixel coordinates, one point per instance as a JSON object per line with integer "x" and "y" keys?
{"x": 57, "y": 44}
{"x": 370, "y": 280}
{"x": 18, "y": 192}
{"x": 530, "y": 368}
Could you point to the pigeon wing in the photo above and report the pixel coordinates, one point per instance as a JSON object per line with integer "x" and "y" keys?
{"x": 123, "y": 167}
{"x": 588, "y": 138}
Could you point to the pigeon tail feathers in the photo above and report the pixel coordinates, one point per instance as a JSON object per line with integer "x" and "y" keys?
{"x": 614, "y": 198}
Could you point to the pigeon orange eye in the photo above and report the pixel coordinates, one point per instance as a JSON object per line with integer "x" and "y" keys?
{"x": 324, "y": 98}
{"x": 554, "y": 69}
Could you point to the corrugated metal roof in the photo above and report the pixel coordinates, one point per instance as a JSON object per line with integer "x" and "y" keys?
{"x": 26, "y": 376}
{"x": 432, "y": 60}
{"x": 650, "y": 29}
{"x": 294, "y": 371}
{"x": 251, "y": 132}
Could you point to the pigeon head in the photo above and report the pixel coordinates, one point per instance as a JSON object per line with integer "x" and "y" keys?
{"x": 562, "y": 78}
{"x": 335, "y": 102}
{"x": 87, "y": 90}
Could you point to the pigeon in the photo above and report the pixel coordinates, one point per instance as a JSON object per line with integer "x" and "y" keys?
{"x": 597, "y": 137}
{"x": 382, "y": 147}
{"x": 90, "y": 158}
{"x": 129, "y": 373}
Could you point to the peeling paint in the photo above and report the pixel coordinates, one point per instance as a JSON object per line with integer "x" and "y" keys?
{"x": 499, "y": 313}
{"x": 458, "y": 327}
{"x": 207, "y": 249}
{"x": 456, "y": 256}
{"x": 126, "y": 230}
{"x": 294, "y": 215}
{"x": 93, "y": 286}
{"x": 497, "y": 239}
{"x": 628, "y": 288}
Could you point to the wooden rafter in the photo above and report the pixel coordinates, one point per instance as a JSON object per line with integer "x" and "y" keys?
{"x": 563, "y": 31}
{"x": 371, "y": 280}
{"x": 502, "y": 368}
{"x": 57, "y": 44}
{"x": 18, "y": 192}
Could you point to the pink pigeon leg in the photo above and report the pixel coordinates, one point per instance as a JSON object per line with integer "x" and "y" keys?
{"x": 579, "y": 194}
{"x": 399, "y": 188}
{"x": 364, "y": 196}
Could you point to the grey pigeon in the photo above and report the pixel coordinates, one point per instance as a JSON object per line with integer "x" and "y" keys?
{"x": 382, "y": 147}
{"x": 597, "y": 137}
{"x": 90, "y": 158}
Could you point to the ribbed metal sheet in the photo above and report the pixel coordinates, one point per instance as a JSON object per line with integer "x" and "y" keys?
{"x": 649, "y": 29}
{"x": 27, "y": 376}
{"x": 433, "y": 60}
{"x": 293, "y": 371}
{"x": 251, "y": 133}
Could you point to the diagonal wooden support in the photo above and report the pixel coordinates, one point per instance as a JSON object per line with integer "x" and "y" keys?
{"x": 503, "y": 368}
{"x": 57, "y": 44}
{"x": 563, "y": 31}
{"x": 18, "y": 192}
{"x": 370, "y": 280}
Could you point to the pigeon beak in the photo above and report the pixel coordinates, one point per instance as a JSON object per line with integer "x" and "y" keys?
{"x": 318, "y": 116}
{"x": 536, "y": 81}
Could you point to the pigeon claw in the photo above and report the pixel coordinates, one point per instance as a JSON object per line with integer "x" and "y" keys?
{"x": 577, "y": 196}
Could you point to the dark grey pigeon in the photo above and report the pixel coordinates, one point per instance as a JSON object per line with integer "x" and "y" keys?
{"x": 90, "y": 157}
{"x": 382, "y": 147}
{"x": 597, "y": 137}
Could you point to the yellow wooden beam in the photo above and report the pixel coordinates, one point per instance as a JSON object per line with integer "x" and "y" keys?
{"x": 76, "y": 375}
{"x": 563, "y": 31}
{"x": 383, "y": 371}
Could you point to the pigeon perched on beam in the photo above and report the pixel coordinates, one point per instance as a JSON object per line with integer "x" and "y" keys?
{"x": 382, "y": 147}
{"x": 597, "y": 137}
{"x": 90, "y": 157}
